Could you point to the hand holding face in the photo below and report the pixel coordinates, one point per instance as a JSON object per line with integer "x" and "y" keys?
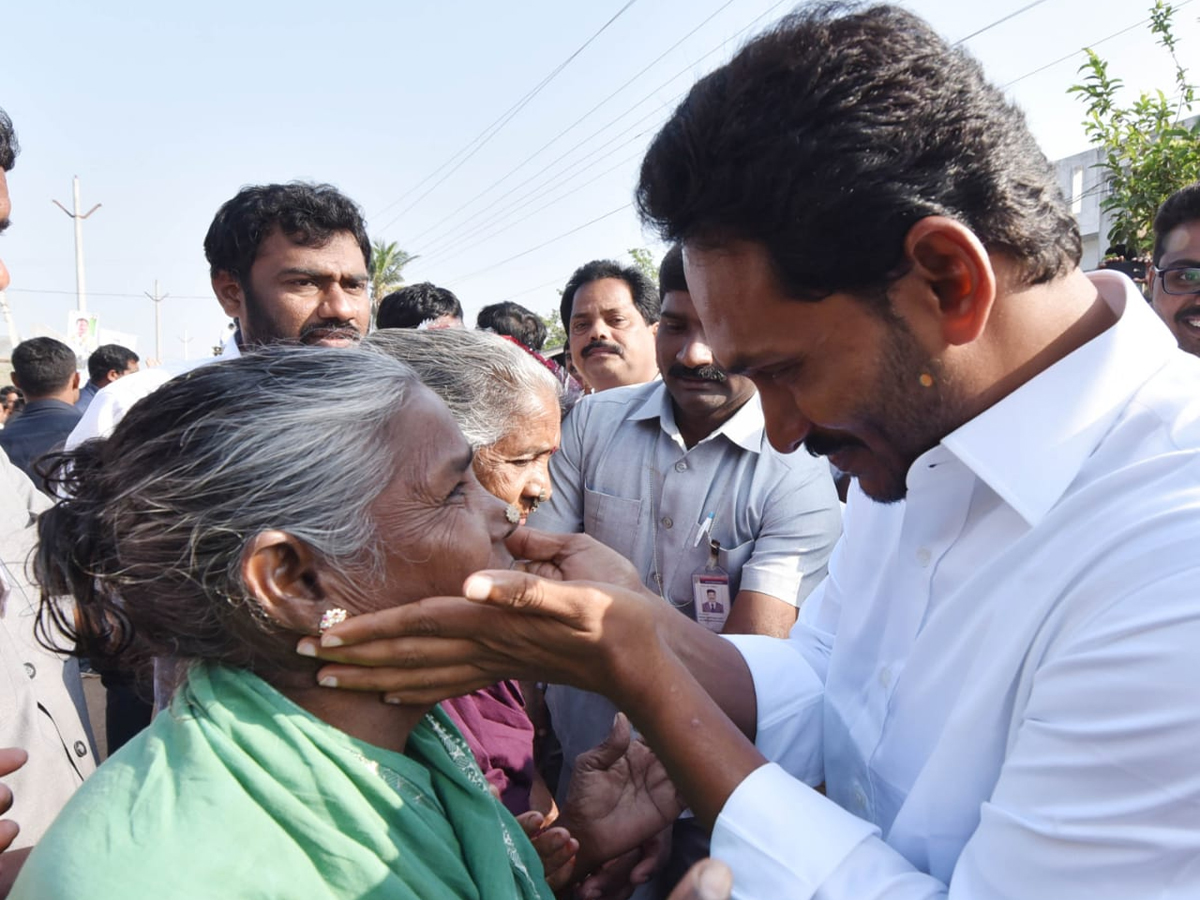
{"x": 571, "y": 557}
{"x": 511, "y": 624}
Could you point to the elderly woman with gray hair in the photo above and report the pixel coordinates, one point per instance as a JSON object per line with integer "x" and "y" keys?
{"x": 245, "y": 505}
{"x": 507, "y": 405}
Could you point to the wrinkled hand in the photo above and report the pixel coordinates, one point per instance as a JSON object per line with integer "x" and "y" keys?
{"x": 11, "y": 759}
{"x": 709, "y": 879}
{"x": 554, "y": 845}
{"x": 571, "y": 557}
{"x": 520, "y": 626}
{"x": 620, "y": 800}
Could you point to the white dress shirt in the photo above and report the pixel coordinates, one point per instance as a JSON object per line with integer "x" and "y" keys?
{"x": 999, "y": 681}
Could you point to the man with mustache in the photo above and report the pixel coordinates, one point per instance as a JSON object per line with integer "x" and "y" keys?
{"x": 658, "y": 471}
{"x": 610, "y": 313}
{"x": 1175, "y": 275}
{"x": 288, "y": 263}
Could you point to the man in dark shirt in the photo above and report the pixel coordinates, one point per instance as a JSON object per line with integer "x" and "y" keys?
{"x": 44, "y": 369}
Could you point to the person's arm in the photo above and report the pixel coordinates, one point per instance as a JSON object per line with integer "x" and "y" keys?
{"x": 757, "y": 613}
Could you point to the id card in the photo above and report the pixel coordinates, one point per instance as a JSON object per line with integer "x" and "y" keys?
{"x": 710, "y": 592}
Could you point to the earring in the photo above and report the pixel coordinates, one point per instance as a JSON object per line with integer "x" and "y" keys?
{"x": 331, "y": 617}
{"x": 543, "y": 496}
{"x": 926, "y": 379}
{"x": 512, "y": 514}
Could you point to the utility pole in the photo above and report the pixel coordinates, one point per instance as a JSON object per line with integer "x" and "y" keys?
{"x": 185, "y": 339}
{"x": 157, "y": 319}
{"x": 13, "y": 337}
{"x": 80, "y": 286}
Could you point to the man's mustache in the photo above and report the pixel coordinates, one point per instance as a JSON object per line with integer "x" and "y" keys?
{"x": 826, "y": 444}
{"x": 699, "y": 373}
{"x": 601, "y": 345}
{"x": 318, "y": 330}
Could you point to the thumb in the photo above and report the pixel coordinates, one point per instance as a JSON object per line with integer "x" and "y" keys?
{"x": 612, "y": 748}
{"x": 709, "y": 879}
{"x": 11, "y": 759}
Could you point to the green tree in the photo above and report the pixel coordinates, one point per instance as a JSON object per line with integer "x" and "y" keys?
{"x": 387, "y": 269}
{"x": 1149, "y": 152}
{"x": 644, "y": 260}
{"x": 556, "y": 334}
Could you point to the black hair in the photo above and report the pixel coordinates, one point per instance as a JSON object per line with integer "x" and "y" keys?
{"x": 19, "y": 399}
{"x": 1182, "y": 206}
{"x": 417, "y": 303}
{"x": 645, "y": 297}
{"x": 108, "y": 357}
{"x": 309, "y": 214}
{"x": 513, "y": 320}
{"x": 829, "y": 136}
{"x": 9, "y": 148}
{"x": 670, "y": 272}
{"x": 43, "y": 366}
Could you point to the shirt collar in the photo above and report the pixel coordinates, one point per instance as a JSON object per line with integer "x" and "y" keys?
{"x": 744, "y": 428}
{"x": 1030, "y": 446}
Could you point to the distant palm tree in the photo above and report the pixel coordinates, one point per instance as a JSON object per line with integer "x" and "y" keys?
{"x": 387, "y": 269}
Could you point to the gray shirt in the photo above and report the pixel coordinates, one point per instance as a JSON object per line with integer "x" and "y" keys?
{"x": 624, "y": 476}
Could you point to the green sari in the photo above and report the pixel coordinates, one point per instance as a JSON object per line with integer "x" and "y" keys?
{"x": 238, "y": 792}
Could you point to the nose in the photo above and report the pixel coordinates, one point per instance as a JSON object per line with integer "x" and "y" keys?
{"x": 695, "y": 352}
{"x": 786, "y": 425}
{"x": 338, "y": 304}
{"x": 598, "y": 330}
{"x": 537, "y": 487}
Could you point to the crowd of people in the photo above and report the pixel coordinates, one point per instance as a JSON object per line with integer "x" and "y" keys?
{"x": 853, "y": 559}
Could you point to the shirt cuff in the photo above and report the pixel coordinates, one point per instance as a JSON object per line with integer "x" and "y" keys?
{"x": 789, "y": 698}
{"x": 781, "y": 838}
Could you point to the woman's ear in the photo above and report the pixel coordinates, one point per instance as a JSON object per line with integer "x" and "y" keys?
{"x": 282, "y": 573}
{"x": 956, "y": 267}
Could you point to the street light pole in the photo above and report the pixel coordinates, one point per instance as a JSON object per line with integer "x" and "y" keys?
{"x": 80, "y": 285}
{"x": 158, "y": 299}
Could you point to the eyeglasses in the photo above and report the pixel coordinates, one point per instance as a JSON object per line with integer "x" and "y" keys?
{"x": 1180, "y": 279}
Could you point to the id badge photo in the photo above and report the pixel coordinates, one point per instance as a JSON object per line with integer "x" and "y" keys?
{"x": 710, "y": 591}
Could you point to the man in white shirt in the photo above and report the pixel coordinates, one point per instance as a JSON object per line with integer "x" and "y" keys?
{"x": 996, "y": 684}
{"x": 289, "y": 262}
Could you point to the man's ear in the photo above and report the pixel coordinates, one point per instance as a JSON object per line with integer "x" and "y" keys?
{"x": 281, "y": 572}
{"x": 75, "y": 381}
{"x": 15, "y": 381}
{"x": 950, "y": 259}
{"x": 229, "y": 293}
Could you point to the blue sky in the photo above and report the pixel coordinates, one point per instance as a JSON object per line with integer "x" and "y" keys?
{"x": 165, "y": 110}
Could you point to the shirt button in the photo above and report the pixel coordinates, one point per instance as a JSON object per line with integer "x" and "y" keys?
{"x": 30, "y": 670}
{"x": 80, "y": 748}
{"x": 923, "y": 556}
{"x": 681, "y": 466}
{"x": 667, "y": 522}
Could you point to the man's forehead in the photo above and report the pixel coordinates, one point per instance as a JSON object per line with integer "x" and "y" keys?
{"x": 1183, "y": 240}
{"x": 600, "y": 296}
{"x": 340, "y": 250}
{"x": 5, "y": 203}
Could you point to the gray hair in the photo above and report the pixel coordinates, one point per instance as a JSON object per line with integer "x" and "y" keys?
{"x": 158, "y": 516}
{"x": 488, "y": 383}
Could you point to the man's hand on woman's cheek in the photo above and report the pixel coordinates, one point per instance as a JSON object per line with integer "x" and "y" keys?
{"x": 510, "y": 624}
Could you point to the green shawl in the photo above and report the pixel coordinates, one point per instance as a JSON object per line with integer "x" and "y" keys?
{"x": 238, "y": 792}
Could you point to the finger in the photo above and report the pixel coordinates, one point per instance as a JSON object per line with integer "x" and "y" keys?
{"x": 531, "y": 822}
{"x": 606, "y": 753}
{"x": 405, "y": 685}
{"x": 431, "y": 617}
{"x": 395, "y": 652}
{"x": 556, "y": 848}
{"x": 537, "y": 546}
{"x": 709, "y": 879}
{"x": 611, "y": 879}
{"x": 11, "y": 759}
{"x": 6, "y": 798}
{"x": 8, "y": 833}
{"x": 653, "y": 853}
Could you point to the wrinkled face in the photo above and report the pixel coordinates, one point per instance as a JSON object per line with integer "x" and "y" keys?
{"x": 611, "y": 344}
{"x": 838, "y": 376}
{"x": 435, "y": 521}
{"x": 700, "y": 388}
{"x": 1181, "y": 312}
{"x": 316, "y": 295}
{"x": 517, "y": 467}
{"x": 5, "y": 212}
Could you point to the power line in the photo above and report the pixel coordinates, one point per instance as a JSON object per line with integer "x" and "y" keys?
{"x": 573, "y": 125}
{"x": 496, "y": 265}
{"x": 1083, "y": 49}
{"x": 474, "y": 225}
{"x": 95, "y": 294}
{"x": 492, "y": 130}
{"x": 1000, "y": 21}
